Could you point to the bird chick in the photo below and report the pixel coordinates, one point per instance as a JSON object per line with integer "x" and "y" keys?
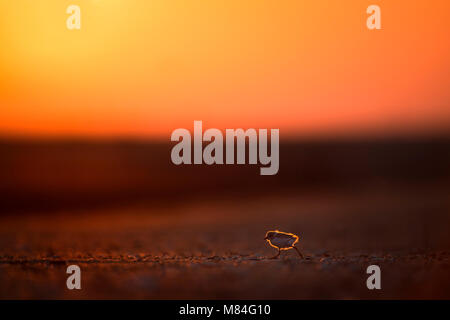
{"x": 282, "y": 241}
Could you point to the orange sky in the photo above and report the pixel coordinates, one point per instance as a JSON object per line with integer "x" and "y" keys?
{"x": 145, "y": 68}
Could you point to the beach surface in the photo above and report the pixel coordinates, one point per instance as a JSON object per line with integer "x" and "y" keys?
{"x": 216, "y": 250}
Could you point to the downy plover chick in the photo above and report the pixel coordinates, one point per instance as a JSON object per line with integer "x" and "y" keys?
{"x": 282, "y": 241}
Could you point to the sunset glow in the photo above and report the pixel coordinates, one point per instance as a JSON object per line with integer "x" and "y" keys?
{"x": 145, "y": 68}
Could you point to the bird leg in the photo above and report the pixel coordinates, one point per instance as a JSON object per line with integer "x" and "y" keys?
{"x": 279, "y": 252}
{"x": 298, "y": 251}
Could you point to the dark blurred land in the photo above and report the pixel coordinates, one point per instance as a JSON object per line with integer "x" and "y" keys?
{"x": 62, "y": 175}
{"x": 141, "y": 227}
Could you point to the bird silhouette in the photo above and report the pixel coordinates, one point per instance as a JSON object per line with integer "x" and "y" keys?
{"x": 282, "y": 241}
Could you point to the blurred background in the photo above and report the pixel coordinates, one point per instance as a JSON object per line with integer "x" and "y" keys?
{"x": 85, "y": 172}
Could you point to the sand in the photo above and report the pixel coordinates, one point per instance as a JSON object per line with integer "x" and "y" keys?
{"x": 215, "y": 250}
